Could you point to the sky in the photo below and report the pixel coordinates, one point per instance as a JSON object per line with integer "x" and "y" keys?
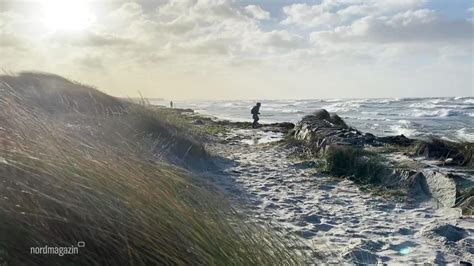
{"x": 244, "y": 49}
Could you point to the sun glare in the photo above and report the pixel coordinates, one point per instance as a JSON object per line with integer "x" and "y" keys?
{"x": 67, "y": 15}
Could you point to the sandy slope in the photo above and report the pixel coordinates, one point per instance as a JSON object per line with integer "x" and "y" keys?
{"x": 335, "y": 216}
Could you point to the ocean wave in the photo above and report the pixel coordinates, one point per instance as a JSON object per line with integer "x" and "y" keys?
{"x": 439, "y": 100}
{"x": 343, "y": 106}
{"x": 464, "y": 135}
{"x": 403, "y": 129}
{"x": 387, "y": 101}
{"x": 439, "y": 113}
{"x": 291, "y": 111}
{"x": 469, "y": 101}
{"x": 423, "y": 105}
{"x": 404, "y": 122}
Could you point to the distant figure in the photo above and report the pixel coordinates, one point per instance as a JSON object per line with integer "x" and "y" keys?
{"x": 255, "y": 112}
{"x": 171, "y": 104}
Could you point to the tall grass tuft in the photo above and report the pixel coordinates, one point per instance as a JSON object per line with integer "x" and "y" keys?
{"x": 360, "y": 166}
{"x": 63, "y": 182}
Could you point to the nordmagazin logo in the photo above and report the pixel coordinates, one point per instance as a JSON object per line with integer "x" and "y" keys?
{"x": 55, "y": 250}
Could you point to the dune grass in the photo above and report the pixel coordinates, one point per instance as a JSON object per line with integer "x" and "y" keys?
{"x": 461, "y": 153}
{"x": 65, "y": 182}
{"x": 361, "y": 166}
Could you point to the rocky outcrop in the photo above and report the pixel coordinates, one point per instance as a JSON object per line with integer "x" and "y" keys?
{"x": 449, "y": 187}
{"x": 322, "y": 129}
{"x": 399, "y": 140}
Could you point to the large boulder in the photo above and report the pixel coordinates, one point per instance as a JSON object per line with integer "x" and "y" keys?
{"x": 448, "y": 190}
{"x": 322, "y": 129}
{"x": 440, "y": 187}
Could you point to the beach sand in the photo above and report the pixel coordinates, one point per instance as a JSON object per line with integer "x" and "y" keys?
{"x": 333, "y": 216}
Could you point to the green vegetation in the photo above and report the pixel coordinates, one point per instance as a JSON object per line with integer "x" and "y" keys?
{"x": 361, "y": 166}
{"x": 215, "y": 129}
{"x": 108, "y": 179}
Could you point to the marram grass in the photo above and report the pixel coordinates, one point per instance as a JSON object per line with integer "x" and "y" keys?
{"x": 64, "y": 182}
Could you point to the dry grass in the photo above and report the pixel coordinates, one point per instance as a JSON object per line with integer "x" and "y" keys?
{"x": 461, "y": 153}
{"x": 64, "y": 182}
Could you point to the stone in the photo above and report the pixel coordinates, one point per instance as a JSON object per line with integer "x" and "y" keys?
{"x": 322, "y": 129}
{"x": 321, "y": 114}
{"x": 440, "y": 187}
{"x": 450, "y": 232}
{"x": 337, "y": 120}
{"x": 400, "y": 140}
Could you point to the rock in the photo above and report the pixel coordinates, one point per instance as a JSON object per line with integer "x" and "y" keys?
{"x": 400, "y": 140}
{"x": 321, "y": 130}
{"x": 286, "y": 125}
{"x": 440, "y": 187}
{"x": 450, "y": 232}
{"x": 416, "y": 183}
{"x": 337, "y": 120}
{"x": 321, "y": 114}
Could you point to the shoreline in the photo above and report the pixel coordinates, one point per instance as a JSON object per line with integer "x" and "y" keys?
{"x": 443, "y": 118}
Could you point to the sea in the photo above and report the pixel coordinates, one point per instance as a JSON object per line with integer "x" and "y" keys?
{"x": 447, "y": 118}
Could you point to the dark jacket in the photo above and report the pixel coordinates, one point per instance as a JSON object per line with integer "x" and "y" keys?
{"x": 255, "y": 110}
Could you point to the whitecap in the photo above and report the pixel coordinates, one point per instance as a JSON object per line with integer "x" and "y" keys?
{"x": 438, "y": 113}
{"x": 291, "y": 111}
{"x": 405, "y": 122}
{"x": 423, "y": 105}
{"x": 464, "y": 135}
{"x": 469, "y": 101}
{"x": 403, "y": 129}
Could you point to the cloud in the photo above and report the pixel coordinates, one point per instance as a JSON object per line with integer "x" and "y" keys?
{"x": 330, "y": 13}
{"x": 91, "y": 62}
{"x": 90, "y": 38}
{"x": 12, "y": 26}
{"x": 195, "y": 43}
{"x": 423, "y": 26}
{"x": 470, "y": 14}
{"x": 257, "y": 12}
{"x": 281, "y": 39}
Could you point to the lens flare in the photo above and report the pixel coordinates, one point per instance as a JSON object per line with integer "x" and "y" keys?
{"x": 405, "y": 251}
{"x": 67, "y": 15}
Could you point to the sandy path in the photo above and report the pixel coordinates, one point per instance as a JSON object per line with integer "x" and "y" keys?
{"x": 336, "y": 215}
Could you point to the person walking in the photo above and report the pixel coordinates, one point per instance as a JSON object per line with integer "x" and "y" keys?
{"x": 255, "y": 112}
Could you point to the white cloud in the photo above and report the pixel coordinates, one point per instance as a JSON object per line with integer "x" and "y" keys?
{"x": 411, "y": 26}
{"x": 257, "y": 12}
{"x": 90, "y": 38}
{"x": 185, "y": 44}
{"x": 330, "y": 13}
